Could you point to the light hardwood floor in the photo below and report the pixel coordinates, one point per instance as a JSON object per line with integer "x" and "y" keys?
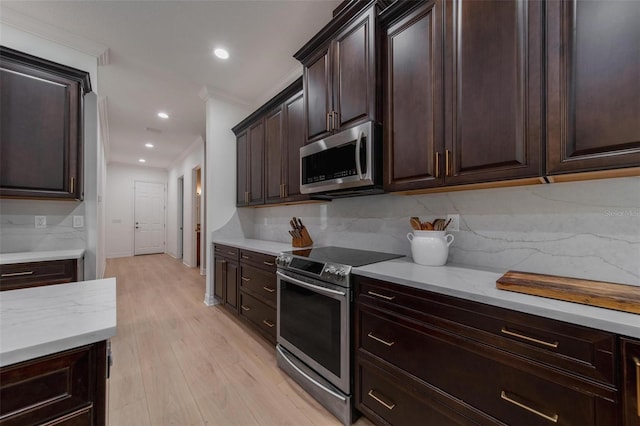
{"x": 179, "y": 362}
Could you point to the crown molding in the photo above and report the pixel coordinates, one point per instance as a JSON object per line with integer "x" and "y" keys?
{"x": 207, "y": 92}
{"x": 50, "y": 32}
{"x": 283, "y": 83}
{"x": 103, "y": 119}
{"x": 187, "y": 152}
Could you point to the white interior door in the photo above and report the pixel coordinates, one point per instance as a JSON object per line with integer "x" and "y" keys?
{"x": 149, "y": 218}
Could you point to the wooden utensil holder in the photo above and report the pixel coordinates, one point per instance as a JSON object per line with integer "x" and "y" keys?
{"x": 304, "y": 240}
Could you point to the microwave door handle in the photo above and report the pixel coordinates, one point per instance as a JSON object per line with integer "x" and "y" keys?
{"x": 358, "y": 165}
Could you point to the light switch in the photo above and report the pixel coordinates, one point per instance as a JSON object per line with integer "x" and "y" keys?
{"x": 78, "y": 221}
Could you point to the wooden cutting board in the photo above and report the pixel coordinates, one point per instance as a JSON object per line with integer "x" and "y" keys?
{"x": 620, "y": 297}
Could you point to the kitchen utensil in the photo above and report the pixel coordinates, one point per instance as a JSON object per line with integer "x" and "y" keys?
{"x": 427, "y": 226}
{"x": 444, "y": 228}
{"x": 299, "y": 222}
{"x": 437, "y": 224}
{"x": 292, "y": 222}
{"x": 415, "y": 223}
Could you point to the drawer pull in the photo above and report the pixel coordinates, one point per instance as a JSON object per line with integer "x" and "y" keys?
{"x": 553, "y": 418}
{"x": 245, "y": 308}
{"x": 17, "y": 274}
{"x": 373, "y": 293}
{"x": 370, "y": 335}
{"x": 637, "y": 362}
{"x": 530, "y": 339}
{"x": 268, "y": 263}
{"x": 231, "y": 252}
{"x": 245, "y": 279}
{"x": 245, "y": 257}
{"x": 270, "y": 290}
{"x": 387, "y": 406}
{"x": 268, "y": 324}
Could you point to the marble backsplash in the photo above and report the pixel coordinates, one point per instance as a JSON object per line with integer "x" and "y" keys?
{"x": 587, "y": 229}
{"x": 18, "y": 232}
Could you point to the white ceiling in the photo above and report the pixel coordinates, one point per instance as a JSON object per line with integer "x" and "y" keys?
{"x": 160, "y": 58}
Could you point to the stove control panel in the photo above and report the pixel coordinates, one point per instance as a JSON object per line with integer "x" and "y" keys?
{"x": 283, "y": 260}
{"x": 335, "y": 272}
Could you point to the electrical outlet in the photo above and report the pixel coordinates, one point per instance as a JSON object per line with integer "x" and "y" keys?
{"x": 78, "y": 221}
{"x": 455, "y": 222}
{"x": 41, "y": 221}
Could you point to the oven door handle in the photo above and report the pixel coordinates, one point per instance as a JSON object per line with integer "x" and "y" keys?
{"x": 311, "y": 286}
{"x": 358, "y": 165}
{"x": 311, "y": 379}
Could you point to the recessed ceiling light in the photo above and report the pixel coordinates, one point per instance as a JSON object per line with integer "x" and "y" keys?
{"x": 142, "y": 160}
{"x": 221, "y": 53}
{"x": 163, "y": 115}
{"x": 148, "y": 145}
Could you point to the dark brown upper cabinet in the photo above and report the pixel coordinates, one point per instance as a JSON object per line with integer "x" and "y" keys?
{"x": 463, "y": 93}
{"x": 593, "y": 85}
{"x": 41, "y": 127}
{"x": 340, "y": 72}
{"x": 268, "y": 148}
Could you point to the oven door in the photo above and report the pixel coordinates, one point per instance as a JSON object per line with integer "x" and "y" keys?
{"x": 313, "y": 324}
{"x": 343, "y": 160}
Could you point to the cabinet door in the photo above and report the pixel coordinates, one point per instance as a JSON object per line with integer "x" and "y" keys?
{"x": 273, "y": 139}
{"x": 631, "y": 381}
{"x": 354, "y": 72}
{"x": 413, "y": 100}
{"x": 220, "y": 280}
{"x": 231, "y": 287}
{"x": 593, "y": 85}
{"x": 256, "y": 163}
{"x": 241, "y": 169}
{"x": 294, "y": 140}
{"x": 317, "y": 94}
{"x": 493, "y": 97}
{"x": 40, "y": 133}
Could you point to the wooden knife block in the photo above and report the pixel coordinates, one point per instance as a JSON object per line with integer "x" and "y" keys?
{"x": 304, "y": 240}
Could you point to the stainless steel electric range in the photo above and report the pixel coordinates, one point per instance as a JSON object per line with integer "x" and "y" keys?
{"x": 314, "y": 342}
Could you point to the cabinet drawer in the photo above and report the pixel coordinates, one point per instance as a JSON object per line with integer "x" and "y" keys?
{"x": 382, "y": 397}
{"x": 49, "y": 388}
{"x": 225, "y": 251}
{"x": 630, "y": 381}
{"x": 581, "y": 350}
{"x": 261, "y": 260}
{"x": 259, "y": 314}
{"x": 32, "y": 274}
{"x": 260, "y": 283}
{"x": 506, "y": 387}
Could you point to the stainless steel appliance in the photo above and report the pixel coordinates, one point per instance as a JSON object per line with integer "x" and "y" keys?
{"x": 314, "y": 340}
{"x": 342, "y": 165}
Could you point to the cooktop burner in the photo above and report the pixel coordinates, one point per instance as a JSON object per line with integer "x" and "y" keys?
{"x": 345, "y": 256}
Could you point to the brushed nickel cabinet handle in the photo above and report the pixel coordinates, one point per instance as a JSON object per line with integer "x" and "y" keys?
{"x": 387, "y": 406}
{"x": 384, "y": 342}
{"x": 373, "y": 293}
{"x": 231, "y": 252}
{"x": 335, "y": 120}
{"x": 245, "y": 308}
{"x": 17, "y": 274}
{"x": 72, "y": 184}
{"x": 530, "y": 339}
{"x": 244, "y": 256}
{"x": 553, "y": 418}
{"x": 637, "y": 362}
{"x": 437, "y": 165}
{"x": 268, "y": 324}
{"x": 268, "y": 263}
{"x": 245, "y": 279}
{"x": 270, "y": 290}
{"x": 328, "y": 122}
{"x": 284, "y": 190}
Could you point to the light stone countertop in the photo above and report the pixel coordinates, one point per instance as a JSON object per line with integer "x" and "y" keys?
{"x": 474, "y": 284}
{"x": 40, "y": 256}
{"x": 43, "y": 320}
{"x": 480, "y": 286}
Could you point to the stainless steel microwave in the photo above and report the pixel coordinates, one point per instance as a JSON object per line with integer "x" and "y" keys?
{"x": 346, "y": 164}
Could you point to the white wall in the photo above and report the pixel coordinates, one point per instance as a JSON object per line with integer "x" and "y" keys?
{"x": 119, "y": 202}
{"x": 193, "y": 157}
{"x": 220, "y": 176}
{"x": 17, "y": 230}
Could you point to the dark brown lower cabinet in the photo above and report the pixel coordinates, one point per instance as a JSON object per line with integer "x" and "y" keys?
{"x": 225, "y": 284}
{"x": 67, "y": 388}
{"x": 435, "y": 357}
{"x": 258, "y": 292}
{"x": 34, "y": 274}
{"x": 630, "y": 351}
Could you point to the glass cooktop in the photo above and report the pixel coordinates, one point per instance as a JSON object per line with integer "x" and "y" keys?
{"x": 345, "y": 256}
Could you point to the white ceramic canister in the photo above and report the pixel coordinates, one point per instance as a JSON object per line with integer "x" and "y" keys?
{"x": 430, "y": 248}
